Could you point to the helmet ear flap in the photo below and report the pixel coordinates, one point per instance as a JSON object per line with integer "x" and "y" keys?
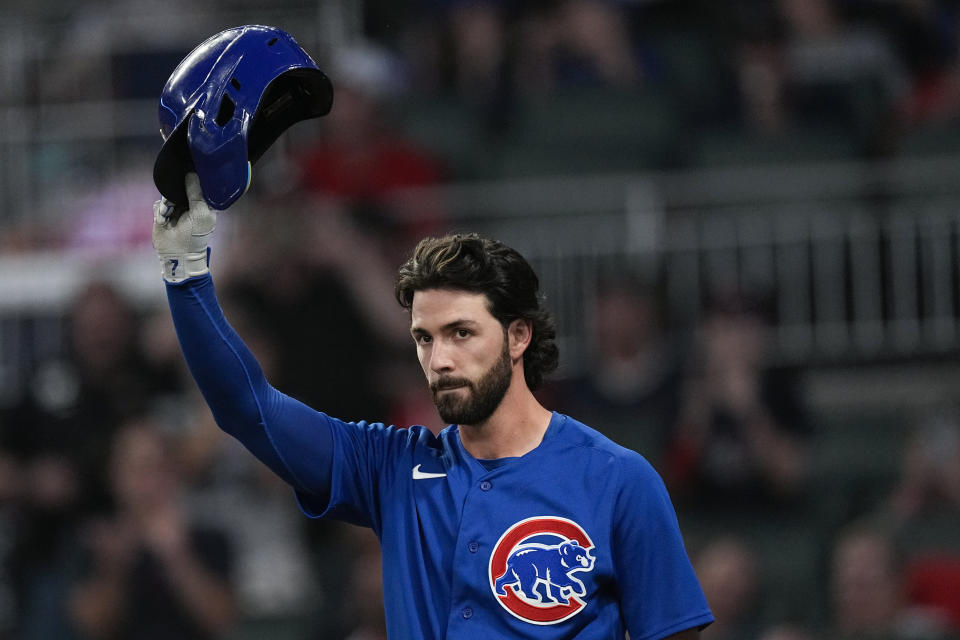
{"x": 220, "y": 155}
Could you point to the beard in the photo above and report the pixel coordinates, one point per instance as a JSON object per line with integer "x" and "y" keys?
{"x": 482, "y": 397}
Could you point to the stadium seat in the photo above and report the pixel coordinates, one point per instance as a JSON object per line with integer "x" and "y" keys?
{"x": 857, "y": 456}
{"x": 591, "y": 131}
{"x": 274, "y": 628}
{"x": 452, "y": 131}
{"x": 935, "y": 532}
{"x": 930, "y": 140}
{"x": 734, "y": 147}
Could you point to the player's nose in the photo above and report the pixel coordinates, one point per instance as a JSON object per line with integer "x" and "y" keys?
{"x": 441, "y": 360}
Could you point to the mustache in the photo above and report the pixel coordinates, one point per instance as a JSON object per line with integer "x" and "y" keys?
{"x": 449, "y": 382}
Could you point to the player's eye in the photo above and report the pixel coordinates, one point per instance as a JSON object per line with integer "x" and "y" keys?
{"x": 422, "y": 338}
{"x": 463, "y": 333}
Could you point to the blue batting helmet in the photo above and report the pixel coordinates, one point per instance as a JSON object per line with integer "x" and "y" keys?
{"x": 226, "y": 103}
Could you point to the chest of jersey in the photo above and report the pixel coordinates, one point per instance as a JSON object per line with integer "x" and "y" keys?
{"x": 524, "y": 548}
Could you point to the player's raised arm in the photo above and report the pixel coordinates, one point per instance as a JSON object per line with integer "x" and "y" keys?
{"x": 229, "y": 377}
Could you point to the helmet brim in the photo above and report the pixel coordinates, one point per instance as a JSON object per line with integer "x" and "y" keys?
{"x": 172, "y": 165}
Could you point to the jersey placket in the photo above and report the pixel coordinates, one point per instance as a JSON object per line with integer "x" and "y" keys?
{"x": 470, "y": 594}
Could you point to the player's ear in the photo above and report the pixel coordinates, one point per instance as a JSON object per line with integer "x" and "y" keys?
{"x": 519, "y": 333}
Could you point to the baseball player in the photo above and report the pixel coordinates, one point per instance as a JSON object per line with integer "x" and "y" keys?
{"x": 514, "y": 521}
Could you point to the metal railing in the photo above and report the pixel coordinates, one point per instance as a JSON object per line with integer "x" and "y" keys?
{"x": 862, "y": 261}
{"x": 861, "y": 258}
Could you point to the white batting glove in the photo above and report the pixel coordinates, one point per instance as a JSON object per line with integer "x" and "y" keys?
{"x": 182, "y": 239}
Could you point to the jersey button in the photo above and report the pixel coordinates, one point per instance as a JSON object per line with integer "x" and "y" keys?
{"x": 485, "y": 485}
{"x": 473, "y": 547}
{"x": 467, "y": 613}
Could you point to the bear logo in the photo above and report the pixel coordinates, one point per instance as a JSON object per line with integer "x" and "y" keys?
{"x": 538, "y": 567}
{"x": 535, "y": 565}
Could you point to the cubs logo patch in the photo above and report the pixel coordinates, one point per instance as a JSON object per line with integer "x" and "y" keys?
{"x": 534, "y": 566}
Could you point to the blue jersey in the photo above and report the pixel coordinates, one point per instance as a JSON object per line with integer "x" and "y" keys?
{"x": 575, "y": 539}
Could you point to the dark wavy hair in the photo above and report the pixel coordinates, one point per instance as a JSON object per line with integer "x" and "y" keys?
{"x": 477, "y": 264}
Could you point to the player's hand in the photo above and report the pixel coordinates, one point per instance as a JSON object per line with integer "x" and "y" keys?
{"x": 182, "y": 238}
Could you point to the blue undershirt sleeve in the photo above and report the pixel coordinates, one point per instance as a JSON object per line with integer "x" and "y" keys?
{"x": 292, "y": 439}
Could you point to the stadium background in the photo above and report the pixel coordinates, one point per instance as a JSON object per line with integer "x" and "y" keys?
{"x": 788, "y": 166}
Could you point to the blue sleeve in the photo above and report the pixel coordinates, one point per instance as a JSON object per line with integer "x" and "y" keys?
{"x": 289, "y": 437}
{"x": 364, "y": 455}
{"x": 659, "y": 592}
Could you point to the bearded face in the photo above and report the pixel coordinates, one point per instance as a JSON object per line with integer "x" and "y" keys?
{"x": 464, "y": 352}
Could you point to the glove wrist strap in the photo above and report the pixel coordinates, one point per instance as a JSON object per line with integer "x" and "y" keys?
{"x": 177, "y": 268}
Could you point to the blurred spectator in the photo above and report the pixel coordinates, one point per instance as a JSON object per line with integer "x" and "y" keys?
{"x": 227, "y": 488}
{"x": 160, "y": 350}
{"x": 631, "y": 387}
{"x": 577, "y": 43}
{"x": 108, "y": 217}
{"x": 479, "y": 35}
{"x": 363, "y": 616}
{"x": 926, "y": 35}
{"x": 151, "y": 573}
{"x": 463, "y": 51}
{"x": 360, "y": 157}
{"x": 60, "y": 434}
{"x": 321, "y": 283}
{"x": 802, "y": 62}
{"x": 928, "y": 489}
{"x": 728, "y": 572}
{"x": 758, "y": 58}
{"x": 597, "y": 44}
{"x": 75, "y": 402}
{"x": 45, "y": 545}
{"x": 865, "y": 583}
{"x": 930, "y": 471}
{"x": 933, "y": 587}
{"x": 90, "y": 49}
{"x": 867, "y": 589}
{"x": 840, "y": 72}
{"x": 760, "y": 81}
{"x": 742, "y": 436}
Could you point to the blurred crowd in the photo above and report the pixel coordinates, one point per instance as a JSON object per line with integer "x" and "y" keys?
{"x": 434, "y": 91}
{"x": 126, "y": 513}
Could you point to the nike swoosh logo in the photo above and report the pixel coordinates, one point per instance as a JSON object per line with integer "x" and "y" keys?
{"x": 423, "y": 475}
